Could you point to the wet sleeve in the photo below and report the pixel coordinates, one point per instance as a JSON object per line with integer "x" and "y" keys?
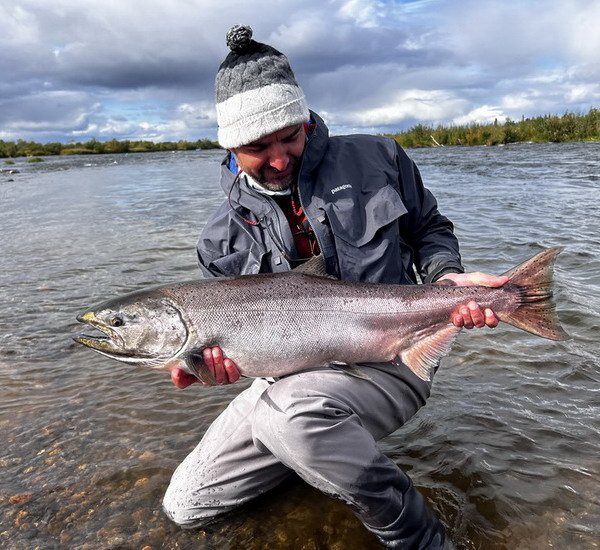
{"x": 426, "y": 230}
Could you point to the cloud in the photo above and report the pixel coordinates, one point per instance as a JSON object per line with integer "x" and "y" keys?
{"x": 104, "y": 69}
{"x": 411, "y": 105}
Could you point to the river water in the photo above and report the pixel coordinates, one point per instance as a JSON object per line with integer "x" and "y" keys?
{"x": 506, "y": 450}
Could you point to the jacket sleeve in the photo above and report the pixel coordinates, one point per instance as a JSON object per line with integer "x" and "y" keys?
{"x": 226, "y": 248}
{"x": 427, "y": 232}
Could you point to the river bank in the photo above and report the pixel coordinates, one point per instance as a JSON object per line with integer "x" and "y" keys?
{"x": 22, "y": 148}
{"x": 570, "y": 127}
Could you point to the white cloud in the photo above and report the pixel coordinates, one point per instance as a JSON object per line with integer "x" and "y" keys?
{"x": 584, "y": 93}
{"x": 485, "y": 114}
{"x": 419, "y": 105}
{"x": 364, "y": 13}
{"x": 518, "y": 101}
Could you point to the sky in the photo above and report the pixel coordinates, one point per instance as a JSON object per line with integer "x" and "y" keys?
{"x": 73, "y": 70}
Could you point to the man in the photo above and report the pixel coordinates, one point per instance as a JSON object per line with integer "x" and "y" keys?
{"x": 293, "y": 192}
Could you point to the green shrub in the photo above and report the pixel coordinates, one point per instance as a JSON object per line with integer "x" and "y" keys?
{"x": 568, "y": 127}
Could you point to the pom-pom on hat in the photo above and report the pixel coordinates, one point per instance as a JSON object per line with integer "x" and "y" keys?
{"x": 256, "y": 91}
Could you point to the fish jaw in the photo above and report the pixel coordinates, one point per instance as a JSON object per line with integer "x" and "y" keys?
{"x": 109, "y": 343}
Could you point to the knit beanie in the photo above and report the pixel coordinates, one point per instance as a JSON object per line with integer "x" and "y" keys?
{"x": 256, "y": 91}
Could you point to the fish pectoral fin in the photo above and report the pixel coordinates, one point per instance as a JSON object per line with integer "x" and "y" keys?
{"x": 424, "y": 354}
{"x": 194, "y": 361}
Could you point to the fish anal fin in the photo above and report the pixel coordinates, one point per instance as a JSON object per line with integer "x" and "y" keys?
{"x": 195, "y": 364}
{"x": 424, "y": 354}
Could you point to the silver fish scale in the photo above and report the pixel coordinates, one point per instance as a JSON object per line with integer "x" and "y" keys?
{"x": 274, "y": 325}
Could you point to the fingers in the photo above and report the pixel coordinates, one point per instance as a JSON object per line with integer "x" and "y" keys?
{"x": 483, "y": 279}
{"x": 491, "y": 320}
{"x": 474, "y": 279}
{"x": 233, "y": 374}
{"x": 213, "y": 359}
{"x": 477, "y": 317}
{"x": 224, "y": 370}
{"x": 471, "y": 315}
{"x": 181, "y": 378}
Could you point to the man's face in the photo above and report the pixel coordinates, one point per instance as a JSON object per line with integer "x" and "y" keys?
{"x": 273, "y": 160}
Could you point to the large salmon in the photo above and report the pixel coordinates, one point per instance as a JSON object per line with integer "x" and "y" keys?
{"x": 277, "y": 324}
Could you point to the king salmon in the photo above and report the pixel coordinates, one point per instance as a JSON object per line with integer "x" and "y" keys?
{"x": 277, "y": 324}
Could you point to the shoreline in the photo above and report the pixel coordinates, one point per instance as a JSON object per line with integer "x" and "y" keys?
{"x": 31, "y": 159}
{"x": 566, "y": 128}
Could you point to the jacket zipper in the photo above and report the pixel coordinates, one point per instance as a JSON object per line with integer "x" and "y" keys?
{"x": 310, "y": 221}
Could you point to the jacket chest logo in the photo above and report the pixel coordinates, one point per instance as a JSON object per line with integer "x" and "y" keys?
{"x": 340, "y": 188}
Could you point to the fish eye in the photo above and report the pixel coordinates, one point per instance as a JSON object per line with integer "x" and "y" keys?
{"x": 116, "y": 321}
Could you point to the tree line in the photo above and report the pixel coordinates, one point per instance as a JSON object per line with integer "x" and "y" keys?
{"x": 553, "y": 128}
{"x": 23, "y": 148}
{"x": 547, "y": 128}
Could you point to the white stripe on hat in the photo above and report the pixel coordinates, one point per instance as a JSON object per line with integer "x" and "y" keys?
{"x": 253, "y": 114}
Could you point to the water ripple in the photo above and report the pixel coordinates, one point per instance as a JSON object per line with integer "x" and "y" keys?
{"x": 505, "y": 450}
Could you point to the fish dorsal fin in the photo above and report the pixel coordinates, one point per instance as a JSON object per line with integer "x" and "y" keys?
{"x": 315, "y": 266}
{"x": 424, "y": 354}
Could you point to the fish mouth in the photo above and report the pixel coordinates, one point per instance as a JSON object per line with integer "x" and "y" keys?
{"x": 104, "y": 339}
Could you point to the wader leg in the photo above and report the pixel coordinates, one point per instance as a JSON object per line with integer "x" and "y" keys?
{"x": 324, "y": 425}
{"x": 225, "y": 469}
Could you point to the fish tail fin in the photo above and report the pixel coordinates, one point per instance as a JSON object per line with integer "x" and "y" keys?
{"x": 536, "y": 312}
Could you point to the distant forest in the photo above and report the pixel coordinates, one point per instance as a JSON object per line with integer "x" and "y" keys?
{"x": 553, "y": 128}
{"x": 22, "y": 148}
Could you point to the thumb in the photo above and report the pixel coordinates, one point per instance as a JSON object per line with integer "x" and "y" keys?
{"x": 181, "y": 378}
{"x": 483, "y": 279}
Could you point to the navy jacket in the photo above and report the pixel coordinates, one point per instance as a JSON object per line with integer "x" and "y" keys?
{"x": 364, "y": 198}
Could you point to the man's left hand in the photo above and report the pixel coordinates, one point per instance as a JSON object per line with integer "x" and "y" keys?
{"x": 471, "y": 315}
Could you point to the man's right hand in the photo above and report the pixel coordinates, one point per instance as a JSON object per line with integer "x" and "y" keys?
{"x": 224, "y": 370}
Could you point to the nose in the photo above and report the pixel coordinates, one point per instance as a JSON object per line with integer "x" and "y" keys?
{"x": 278, "y": 157}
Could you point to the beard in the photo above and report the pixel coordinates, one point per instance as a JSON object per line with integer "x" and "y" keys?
{"x": 273, "y": 179}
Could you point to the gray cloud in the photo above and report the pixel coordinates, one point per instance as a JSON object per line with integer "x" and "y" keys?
{"x": 73, "y": 70}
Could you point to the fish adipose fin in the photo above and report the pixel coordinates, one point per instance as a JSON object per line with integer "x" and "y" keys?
{"x": 424, "y": 355}
{"x": 536, "y": 312}
{"x": 196, "y": 366}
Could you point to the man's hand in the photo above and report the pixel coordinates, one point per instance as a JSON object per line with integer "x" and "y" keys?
{"x": 470, "y": 315}
{"x": 224, "y": 370}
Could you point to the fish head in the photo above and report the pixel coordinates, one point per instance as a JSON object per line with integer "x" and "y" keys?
{"x": 141, "y": 329}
